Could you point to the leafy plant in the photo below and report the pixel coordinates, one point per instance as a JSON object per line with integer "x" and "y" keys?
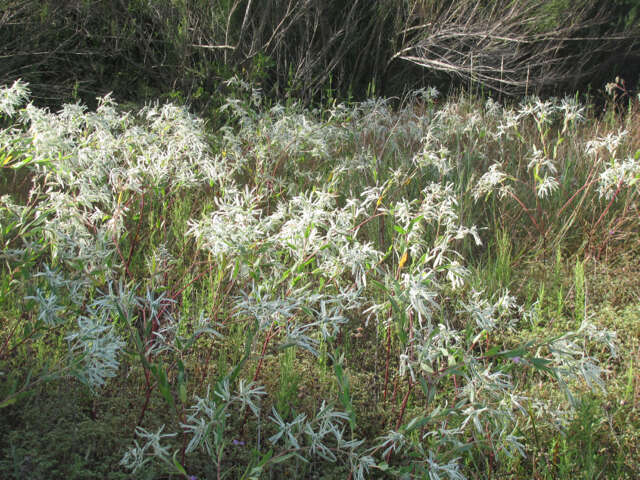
{"x": 204, "y": 283}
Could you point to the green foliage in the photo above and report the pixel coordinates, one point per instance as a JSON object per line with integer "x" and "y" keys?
{"x": 287, "y": 395}
{"x": 69, "y": 441}
{"x": 292, "y": 293}
{"x": 580, "y": 293}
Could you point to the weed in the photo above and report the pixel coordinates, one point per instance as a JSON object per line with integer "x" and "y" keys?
{"x": 361, "y": 290}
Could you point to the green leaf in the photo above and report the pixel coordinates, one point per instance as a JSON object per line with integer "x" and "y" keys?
{"x": 182, "y": 393}
{"x": 182, "y": 382}
{"x": 13, "y": 399}
{"x": 9, "y": 401}
{"x": 416, "y": 424}
{"x": 344, "y": 393}
{"x": 516, "y": 352}
{"x": 254, "y": 472}
{"x": 542, "y": 364}
{"x": 399, "y": 229}
{"x": 179, "y": 467}
{"x": 282, "y": 458}
{"x": 160, "y": 374}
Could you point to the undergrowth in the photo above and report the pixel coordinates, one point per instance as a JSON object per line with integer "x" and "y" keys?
{"x": 437, "y": 290}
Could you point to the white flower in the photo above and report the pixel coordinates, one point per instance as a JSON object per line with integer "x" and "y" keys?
{"x": 619, "y": 174}
{"x": 13, "y": 96}
{"x": 572, "y": 110}
{"x": 234, "y": 225}
{"x": 610, "y": 142}
{"x": 546, "y": 187}
{"x": 423, "y": 291}
{"x": 489, "y": 181}
{"x": 539, "y": 161}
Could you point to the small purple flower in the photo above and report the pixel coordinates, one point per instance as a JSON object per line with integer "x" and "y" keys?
{"x": 238, "y": 442}
{"x": 516, "y": 360}
{"x": 193, "y": 477}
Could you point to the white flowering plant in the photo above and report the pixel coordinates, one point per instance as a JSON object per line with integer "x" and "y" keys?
{"x": 151, "y": 260}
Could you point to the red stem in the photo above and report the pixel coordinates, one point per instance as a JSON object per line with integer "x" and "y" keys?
{"x": 608, "y": 207}
{"x": 264, "y": 351}
{"x": 404, "y": 404}
{"x": 587, "y": 183}
{"x": 367, "y": 220}
{"x": 526, "y": 210}
{"x": 126, "y": 267}
{"x": 386, "y": 370}
{"x": 147, "y": 398}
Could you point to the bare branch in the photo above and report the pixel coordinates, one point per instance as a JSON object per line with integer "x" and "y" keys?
{"x": 505, "y": 47}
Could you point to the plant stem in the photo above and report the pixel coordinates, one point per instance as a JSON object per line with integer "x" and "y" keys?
{"x": 404, "y": 404}
{"x": 386, "y": 370}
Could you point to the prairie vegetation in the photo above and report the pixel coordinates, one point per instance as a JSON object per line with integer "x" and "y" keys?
{"x": 442, "y": 289}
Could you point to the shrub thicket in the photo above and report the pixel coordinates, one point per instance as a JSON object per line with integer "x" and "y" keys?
{"x": 310, "y": 48}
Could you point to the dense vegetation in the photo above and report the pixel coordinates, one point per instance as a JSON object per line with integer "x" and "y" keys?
{"x": 447, "y": 289}
{"x": 275, "y": 249}
{"x": 313, "y": 49}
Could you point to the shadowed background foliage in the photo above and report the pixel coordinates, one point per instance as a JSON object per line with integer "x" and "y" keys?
{"x": 312, "y": 49}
